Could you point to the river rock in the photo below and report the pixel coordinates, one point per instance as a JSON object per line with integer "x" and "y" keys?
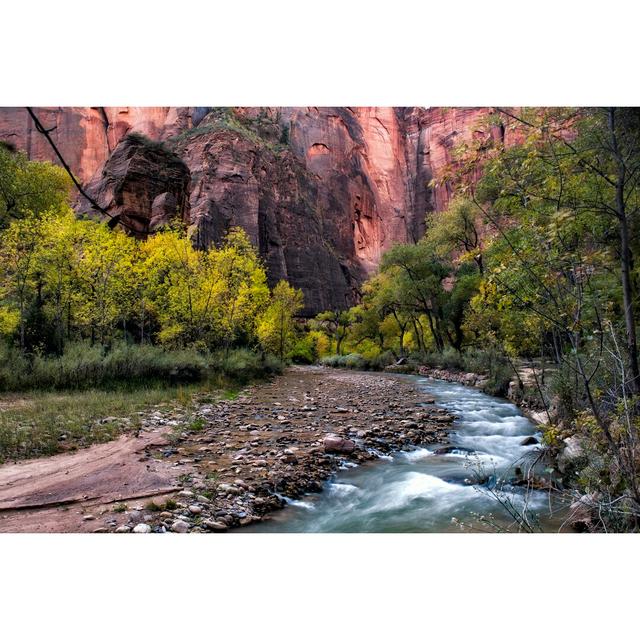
{"x": 180, "y": 526}
{"x": 443, "y": 451}
{"x": 214, "y": 525}
{"x": 142, "y": 528}
{"x": 334, "y": 443}
{"x": 581, "y": 512}
{"x": 527, "y": 442}
{"x": 289, "y": 458}
{"x": 571, "y": 452}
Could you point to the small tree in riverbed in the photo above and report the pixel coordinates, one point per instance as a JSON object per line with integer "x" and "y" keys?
{"x": 276, "y": 327}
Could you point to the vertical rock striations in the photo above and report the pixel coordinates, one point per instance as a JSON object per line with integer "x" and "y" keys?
{"x": 143, "y": 184}
{"x": 322, "y": 192}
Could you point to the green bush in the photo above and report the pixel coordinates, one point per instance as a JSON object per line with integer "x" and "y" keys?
{"x": 499, "y": 380}
{"x": 304, "y": 351}
{"x": 83, "y": 366}
{"x": 379, "y": 362}
{"x": 493, "y": 363}
{"x": 354, "y": 361}
{"x": 447, "y": 359}
{"x": 478, "y": 360}
{"x": 348, "y": 361}
{"x": 242, "y": 365}
{"x": 331, "y": 361}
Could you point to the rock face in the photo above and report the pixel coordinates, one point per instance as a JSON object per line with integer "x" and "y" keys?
{"x": 86, "y": 136}
{"x": 143, "y": 185}
{"x": 322, "y": 192}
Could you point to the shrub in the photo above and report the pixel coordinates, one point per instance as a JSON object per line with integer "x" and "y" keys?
{"x": 381, "y": 361}
{"x": 499, "y": 380}
{"x": 304, "y": 351}
{"x": 331, "y": 361}
{"x": 354, "y": 361}
{"x": 447, "y": 359}
{"x": 349, "y": 361}
{"x": 83, "y": 367}
{"x": 242, "y": 365}
{"x": 478, "y": 360}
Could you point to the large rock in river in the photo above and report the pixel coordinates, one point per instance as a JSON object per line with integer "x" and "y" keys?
{"x": 334, "y": 443}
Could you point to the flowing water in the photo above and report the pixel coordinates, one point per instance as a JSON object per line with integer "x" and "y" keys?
{"x": 421, "y": 491}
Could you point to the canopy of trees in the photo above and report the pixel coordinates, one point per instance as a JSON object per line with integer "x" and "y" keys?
{"x": 64, "y": 278}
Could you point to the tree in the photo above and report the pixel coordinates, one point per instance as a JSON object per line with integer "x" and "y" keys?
{"x": 276, "y": 326}
{"x": 458, "y": 230}
{"x": 27, "y": 187}
{"x": 337, "y": 324}
{"x": 245, "y": 293}
{"x": 418, "y": 275}
{"x": 18, "y": 265}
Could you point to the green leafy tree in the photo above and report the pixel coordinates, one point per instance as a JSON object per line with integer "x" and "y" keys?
{"x": 276, "y": 327}
{"x": 28, "y": 187}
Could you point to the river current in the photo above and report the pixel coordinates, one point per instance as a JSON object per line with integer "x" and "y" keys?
{"x": 471, "y": 486}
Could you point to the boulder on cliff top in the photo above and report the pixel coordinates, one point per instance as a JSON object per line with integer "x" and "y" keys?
{"x": 143, "y": 185}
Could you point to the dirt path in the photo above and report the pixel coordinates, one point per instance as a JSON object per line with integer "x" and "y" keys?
{"x": 56, "y": 494}
{"x": 230, "y": 464}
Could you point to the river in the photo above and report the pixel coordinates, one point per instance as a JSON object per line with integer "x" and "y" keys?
{"x": 424, "y": 491}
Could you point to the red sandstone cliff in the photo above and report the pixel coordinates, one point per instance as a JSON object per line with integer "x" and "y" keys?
{"x": 323, "y": 192}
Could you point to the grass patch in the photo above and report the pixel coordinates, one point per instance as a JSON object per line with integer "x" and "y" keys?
{"x": 125, "y": 365}
{"x": 90, "y": 395}
{"x": 358, "y": 361}
{"x": 196, "y": 425}
{"x": 86, "y": 367}
{"x": 225, "y": 119}
{"x": 42, "y": 423}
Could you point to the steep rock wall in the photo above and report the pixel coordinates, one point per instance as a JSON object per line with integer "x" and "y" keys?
{"x": 322, "y": 192}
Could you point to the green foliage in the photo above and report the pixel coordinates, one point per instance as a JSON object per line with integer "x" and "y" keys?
{"x": 82, "y": 305}
{"x": 28, "y": 188}
{"x": 349, "y": 361}
{"x": 45, "y": 422}
{"x": 63, "y": 279}
{"x": 276, "y": 327}
{"x": 262, "y": 131}
{"x": 304, "y": 351}
{"x": 243, "y": 365}
{"x": 154, "y": 145}
{"x": 83, "y": 366}
{"x": 448, "y": 358}
{"x": 358, "y": 361}
{"x": 124, "y": 365}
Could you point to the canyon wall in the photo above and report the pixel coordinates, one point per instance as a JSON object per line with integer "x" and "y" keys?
{"x": 322, "y": 192}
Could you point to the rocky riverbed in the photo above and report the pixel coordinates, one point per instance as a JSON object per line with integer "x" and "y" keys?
{"x": 221, "y": 465}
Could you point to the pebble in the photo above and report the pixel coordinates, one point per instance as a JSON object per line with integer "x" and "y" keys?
{"x": 180, "y": 526}
{"x": 255, "y": 447}
{"x": 123, "y": 529}
{"x": 142, "y": 528}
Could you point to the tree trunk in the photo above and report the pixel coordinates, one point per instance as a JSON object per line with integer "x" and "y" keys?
{"x": 625, "y": 260}
{"x": 627, "y": 298}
